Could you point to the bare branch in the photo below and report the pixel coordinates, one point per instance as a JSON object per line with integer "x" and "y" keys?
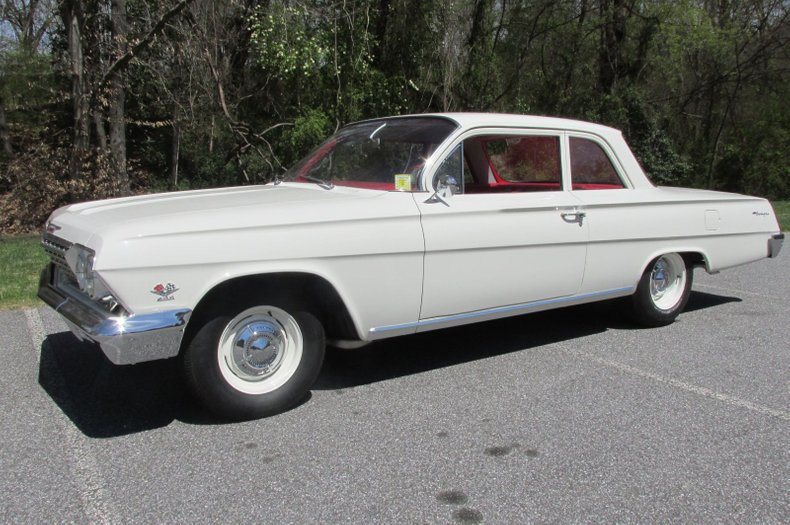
{"x": 144, "y": 42}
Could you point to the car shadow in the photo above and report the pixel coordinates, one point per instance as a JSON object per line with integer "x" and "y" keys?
{"x": 702, "y": 300}
{"x": 418, "y": 353}
{"x": 104, "y": 400}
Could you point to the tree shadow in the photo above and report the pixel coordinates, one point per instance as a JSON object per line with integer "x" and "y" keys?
{"x": 104, "y": 400}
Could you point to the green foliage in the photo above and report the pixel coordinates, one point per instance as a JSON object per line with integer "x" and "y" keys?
{"x": 21, "y": 262}
{"x": 651, "y": 143}
{"x": 25, "y": 81}
{"x": 759, "y": 166}
{"x": 285, "y": 45}
{"x": 208, "y": 168}
{"x": 308, "y": 131}
{"x": 698, "y": 88}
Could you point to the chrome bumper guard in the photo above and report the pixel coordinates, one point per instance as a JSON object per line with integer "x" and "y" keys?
{"x": 125, "y": 340}
{"x": 775, "y": 244}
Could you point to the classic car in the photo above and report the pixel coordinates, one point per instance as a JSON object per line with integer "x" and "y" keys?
{"x": 392, "y": 226}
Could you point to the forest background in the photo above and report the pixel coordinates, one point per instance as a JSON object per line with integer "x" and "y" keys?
{"x": 106, "y": 98}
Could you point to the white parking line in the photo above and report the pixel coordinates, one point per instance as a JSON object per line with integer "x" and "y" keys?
{"x": 739, "y": 292}
{"x": 95, "y": 500}
{"x": 694, "y": 389}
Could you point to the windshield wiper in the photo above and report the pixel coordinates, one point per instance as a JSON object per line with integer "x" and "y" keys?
{"x": 326, "y": 184}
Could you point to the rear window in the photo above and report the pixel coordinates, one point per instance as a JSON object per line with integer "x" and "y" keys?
{"x": 591, "y": 167}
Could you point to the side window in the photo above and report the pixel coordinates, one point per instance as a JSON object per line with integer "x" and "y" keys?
{"x": 526, "y": 159}
{"x": 591, "y": 168}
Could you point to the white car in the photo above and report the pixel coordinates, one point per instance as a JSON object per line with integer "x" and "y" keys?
{"x": 392, "y": 226}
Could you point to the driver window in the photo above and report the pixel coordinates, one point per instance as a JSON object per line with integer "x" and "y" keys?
{"x": 514, "y": 163}
{"x": 525, "y": 159}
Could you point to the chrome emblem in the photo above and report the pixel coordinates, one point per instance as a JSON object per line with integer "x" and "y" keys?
{"x": 164, "y": 291}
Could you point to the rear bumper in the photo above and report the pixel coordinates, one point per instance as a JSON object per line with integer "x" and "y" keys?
{"x": 124, "y": 340}
{"x": 775, "y": 244}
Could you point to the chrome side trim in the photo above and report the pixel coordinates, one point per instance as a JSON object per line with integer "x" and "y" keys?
{"x": 494, "y": 313}
{"x": 124, "y": 339}
{"x": 775, "y": 244}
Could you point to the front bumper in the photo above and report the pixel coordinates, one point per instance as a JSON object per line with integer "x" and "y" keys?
{"x": 775, "y": 244}
{"x": 125, "y": 340}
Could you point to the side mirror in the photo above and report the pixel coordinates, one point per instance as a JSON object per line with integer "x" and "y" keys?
{"x": 446, "y": 187}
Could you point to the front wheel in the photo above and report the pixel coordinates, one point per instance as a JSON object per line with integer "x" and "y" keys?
{"x": 256, "y": 363}
{"x": 663, "y": 291}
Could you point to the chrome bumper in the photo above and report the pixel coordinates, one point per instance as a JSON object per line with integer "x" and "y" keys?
{"x": 775, "y": 244}
{"x": 125, "y": 340}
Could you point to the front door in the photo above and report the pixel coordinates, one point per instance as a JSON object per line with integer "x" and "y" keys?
{"x": 514, "y": 236}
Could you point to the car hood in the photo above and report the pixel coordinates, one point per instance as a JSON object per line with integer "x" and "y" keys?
{"x": 91, "y": 223}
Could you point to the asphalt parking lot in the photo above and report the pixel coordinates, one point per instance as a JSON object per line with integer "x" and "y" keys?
{"x": 565, "y": 416}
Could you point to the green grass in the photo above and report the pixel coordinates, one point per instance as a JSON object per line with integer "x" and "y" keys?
{"x": 782, "y": 209}
{"x": 21, "y": 262}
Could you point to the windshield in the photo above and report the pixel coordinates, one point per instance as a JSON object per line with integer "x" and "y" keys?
{"x": 386, "y": 154}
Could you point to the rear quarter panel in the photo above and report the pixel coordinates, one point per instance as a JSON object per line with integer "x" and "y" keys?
{"x": 628, "y": 228}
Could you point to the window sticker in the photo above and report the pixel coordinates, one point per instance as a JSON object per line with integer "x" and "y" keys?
{"x": 403, "y": 182}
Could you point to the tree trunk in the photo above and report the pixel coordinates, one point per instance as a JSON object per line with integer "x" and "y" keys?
{"x": 614, "y": 14}
{"x": 4, "y": 136}
{"x": 479, "y": 55}
{"x": 380, "y": 33}
{"x": 101, "y": 132}
{"x": 211, "y": 136}
{"x": 117, "y": 99}
{"x": 71, "y": 13}
{"x": 175, "y": 150}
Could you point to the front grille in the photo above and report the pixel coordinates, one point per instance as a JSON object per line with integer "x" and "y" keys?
{"x": 65, "y": 280}
{"x": 56, "y": 248}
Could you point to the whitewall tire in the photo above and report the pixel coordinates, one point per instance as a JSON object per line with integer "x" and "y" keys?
{"x": 255, "y": 363}
{"x": 663, "y": 291}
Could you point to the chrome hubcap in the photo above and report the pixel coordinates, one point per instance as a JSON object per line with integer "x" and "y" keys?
{"x": 659, "y": 279}
{"x": 667, "y": 281}
{"x": 260, "y": 349}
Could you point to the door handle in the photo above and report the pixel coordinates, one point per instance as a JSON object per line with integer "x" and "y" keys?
{"x": 573, "y": 216}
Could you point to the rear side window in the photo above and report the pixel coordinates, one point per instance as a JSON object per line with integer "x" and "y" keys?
{"x": 591, "y": 168}
{"x": 525, "y": 159}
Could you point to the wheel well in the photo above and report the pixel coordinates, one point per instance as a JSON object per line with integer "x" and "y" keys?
{"x": 295, "y": 290}
{"x": 694, "y": 259}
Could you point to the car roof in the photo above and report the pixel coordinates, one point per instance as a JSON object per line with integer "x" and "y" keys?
{"x": 476, "y": 120}
{"x": 471, "y": 120}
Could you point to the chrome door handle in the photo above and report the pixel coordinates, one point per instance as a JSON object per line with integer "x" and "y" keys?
{"x": 573, "y": 216}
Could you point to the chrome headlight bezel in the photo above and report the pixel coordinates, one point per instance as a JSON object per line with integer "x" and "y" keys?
{"x": 81, "y": 260}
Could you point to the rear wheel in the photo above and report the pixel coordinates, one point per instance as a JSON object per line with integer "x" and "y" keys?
{"x": 258, "y": 362}
{"x": 663, "y": 291}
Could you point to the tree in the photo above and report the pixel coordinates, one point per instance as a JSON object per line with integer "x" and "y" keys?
{"x": 24, "y": 26}
{"x": 99, "y": 54}
{"x": 139, "y": 95}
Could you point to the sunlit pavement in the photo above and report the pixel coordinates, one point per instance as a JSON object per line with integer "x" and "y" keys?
{"x": 571, "y": 415}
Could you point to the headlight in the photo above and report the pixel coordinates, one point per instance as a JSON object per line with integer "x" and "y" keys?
{"x": 80, "y": 261}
